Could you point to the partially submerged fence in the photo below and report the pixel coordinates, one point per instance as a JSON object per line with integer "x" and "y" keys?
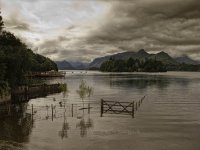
{"x": 116, "y": 107}
{"x": 55, "y": 111}
{"x": 138, "y": 104}
{"x": 59, "y": 109}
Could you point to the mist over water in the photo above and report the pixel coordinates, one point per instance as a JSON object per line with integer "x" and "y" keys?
{"x": 167, "y": 119}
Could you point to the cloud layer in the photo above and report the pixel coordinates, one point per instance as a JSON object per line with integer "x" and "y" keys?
{"x": 85, "y": 29}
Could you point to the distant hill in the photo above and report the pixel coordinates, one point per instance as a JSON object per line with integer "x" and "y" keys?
{"x": 171, "y": 63}
{"x": 186, "y": 60}
{"x": 164, "y": 58}
{"x": 64, "y": 65}
{"x": 79, "y": 65}
{"x": 141, "y": 55}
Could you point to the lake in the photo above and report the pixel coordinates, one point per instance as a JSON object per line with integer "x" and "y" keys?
{"x": 168, "y": 118}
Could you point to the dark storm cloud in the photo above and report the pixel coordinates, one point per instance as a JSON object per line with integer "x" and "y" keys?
{"x": 127, "y": 20}
{"x": 161, "y": 24}
{"x": 108, "y": 26}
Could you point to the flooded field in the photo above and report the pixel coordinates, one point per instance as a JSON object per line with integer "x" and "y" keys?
{"x": 168, "y": 119}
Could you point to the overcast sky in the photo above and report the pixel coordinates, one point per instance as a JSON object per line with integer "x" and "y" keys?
{"x": 81, "y": 30}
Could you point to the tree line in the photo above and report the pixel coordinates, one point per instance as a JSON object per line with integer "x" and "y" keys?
{"x": 17, "y": 60}
{"x": 133, "y": 65}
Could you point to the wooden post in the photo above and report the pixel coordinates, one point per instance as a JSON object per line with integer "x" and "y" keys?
{"x": 88, "y": 108}
{"x": 143, "y": 98}
{"x": 32, "y": 112}
{"x": 101, "y": 107}
{"x": 72, "y": 110}
{"x": 133, "y": 111}
{"x": 136, "y": 106}
{"x": 47, "y": 111}
{"x": 8, "y": 109}
{"x": 52, "y": 111}
{"x": 55, "y": 111}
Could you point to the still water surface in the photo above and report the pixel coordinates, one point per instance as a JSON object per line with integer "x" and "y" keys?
{"x": 168, "y": 119}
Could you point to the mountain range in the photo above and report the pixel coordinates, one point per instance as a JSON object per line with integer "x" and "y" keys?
{"x": 187, "y": 60}
{"x": 64, "y": 65}
{"x": 141, "y": 55}
{"x": 79, "y": 65}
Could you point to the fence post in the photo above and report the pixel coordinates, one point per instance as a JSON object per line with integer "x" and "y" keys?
{"x": 72, "y": 110}
{"x": 52, "y": 111}
{"x": 136, "y": 106}
{"x": 32, "y": 112}
{"x": 88, "y": 108}
{"x": 101, "y": 107}
{"x": 133, "y": 111}
{"x": 9, "y": 109}
{"x": 143, "y": 98}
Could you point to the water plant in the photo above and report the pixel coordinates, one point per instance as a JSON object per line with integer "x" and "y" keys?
{"x": 64, "y": 89}
{"x": 84, "y": 91}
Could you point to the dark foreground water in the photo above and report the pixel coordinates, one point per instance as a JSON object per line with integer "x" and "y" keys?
{"x": 168, "y": 119}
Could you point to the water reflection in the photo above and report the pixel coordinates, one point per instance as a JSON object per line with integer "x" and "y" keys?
{"x": 84, "y": 126}
{"x": 47, "y": 114}
{"x": 144, "y": 81}
{"x": 65, "y": 126}
{"x": 17, "y": 126}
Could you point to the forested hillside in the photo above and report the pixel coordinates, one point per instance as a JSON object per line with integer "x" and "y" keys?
{"x": 16, "y": 60}
{"x": 133, "y": 65}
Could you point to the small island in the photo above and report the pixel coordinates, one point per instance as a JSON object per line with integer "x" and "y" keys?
{"x": 133, "y": 65}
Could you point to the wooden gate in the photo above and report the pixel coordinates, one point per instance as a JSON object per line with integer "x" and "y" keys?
{"x": 113, "y": 107}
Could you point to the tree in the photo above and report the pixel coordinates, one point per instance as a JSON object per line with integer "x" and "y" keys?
{"x": 1, "y": 22}
{"x": 154, "y": 66}
{"x": 16, "y": 60}
{"x": 2, "y": 66}
{"x": 84, "y": 91}
{"x": 131, "y": 65}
